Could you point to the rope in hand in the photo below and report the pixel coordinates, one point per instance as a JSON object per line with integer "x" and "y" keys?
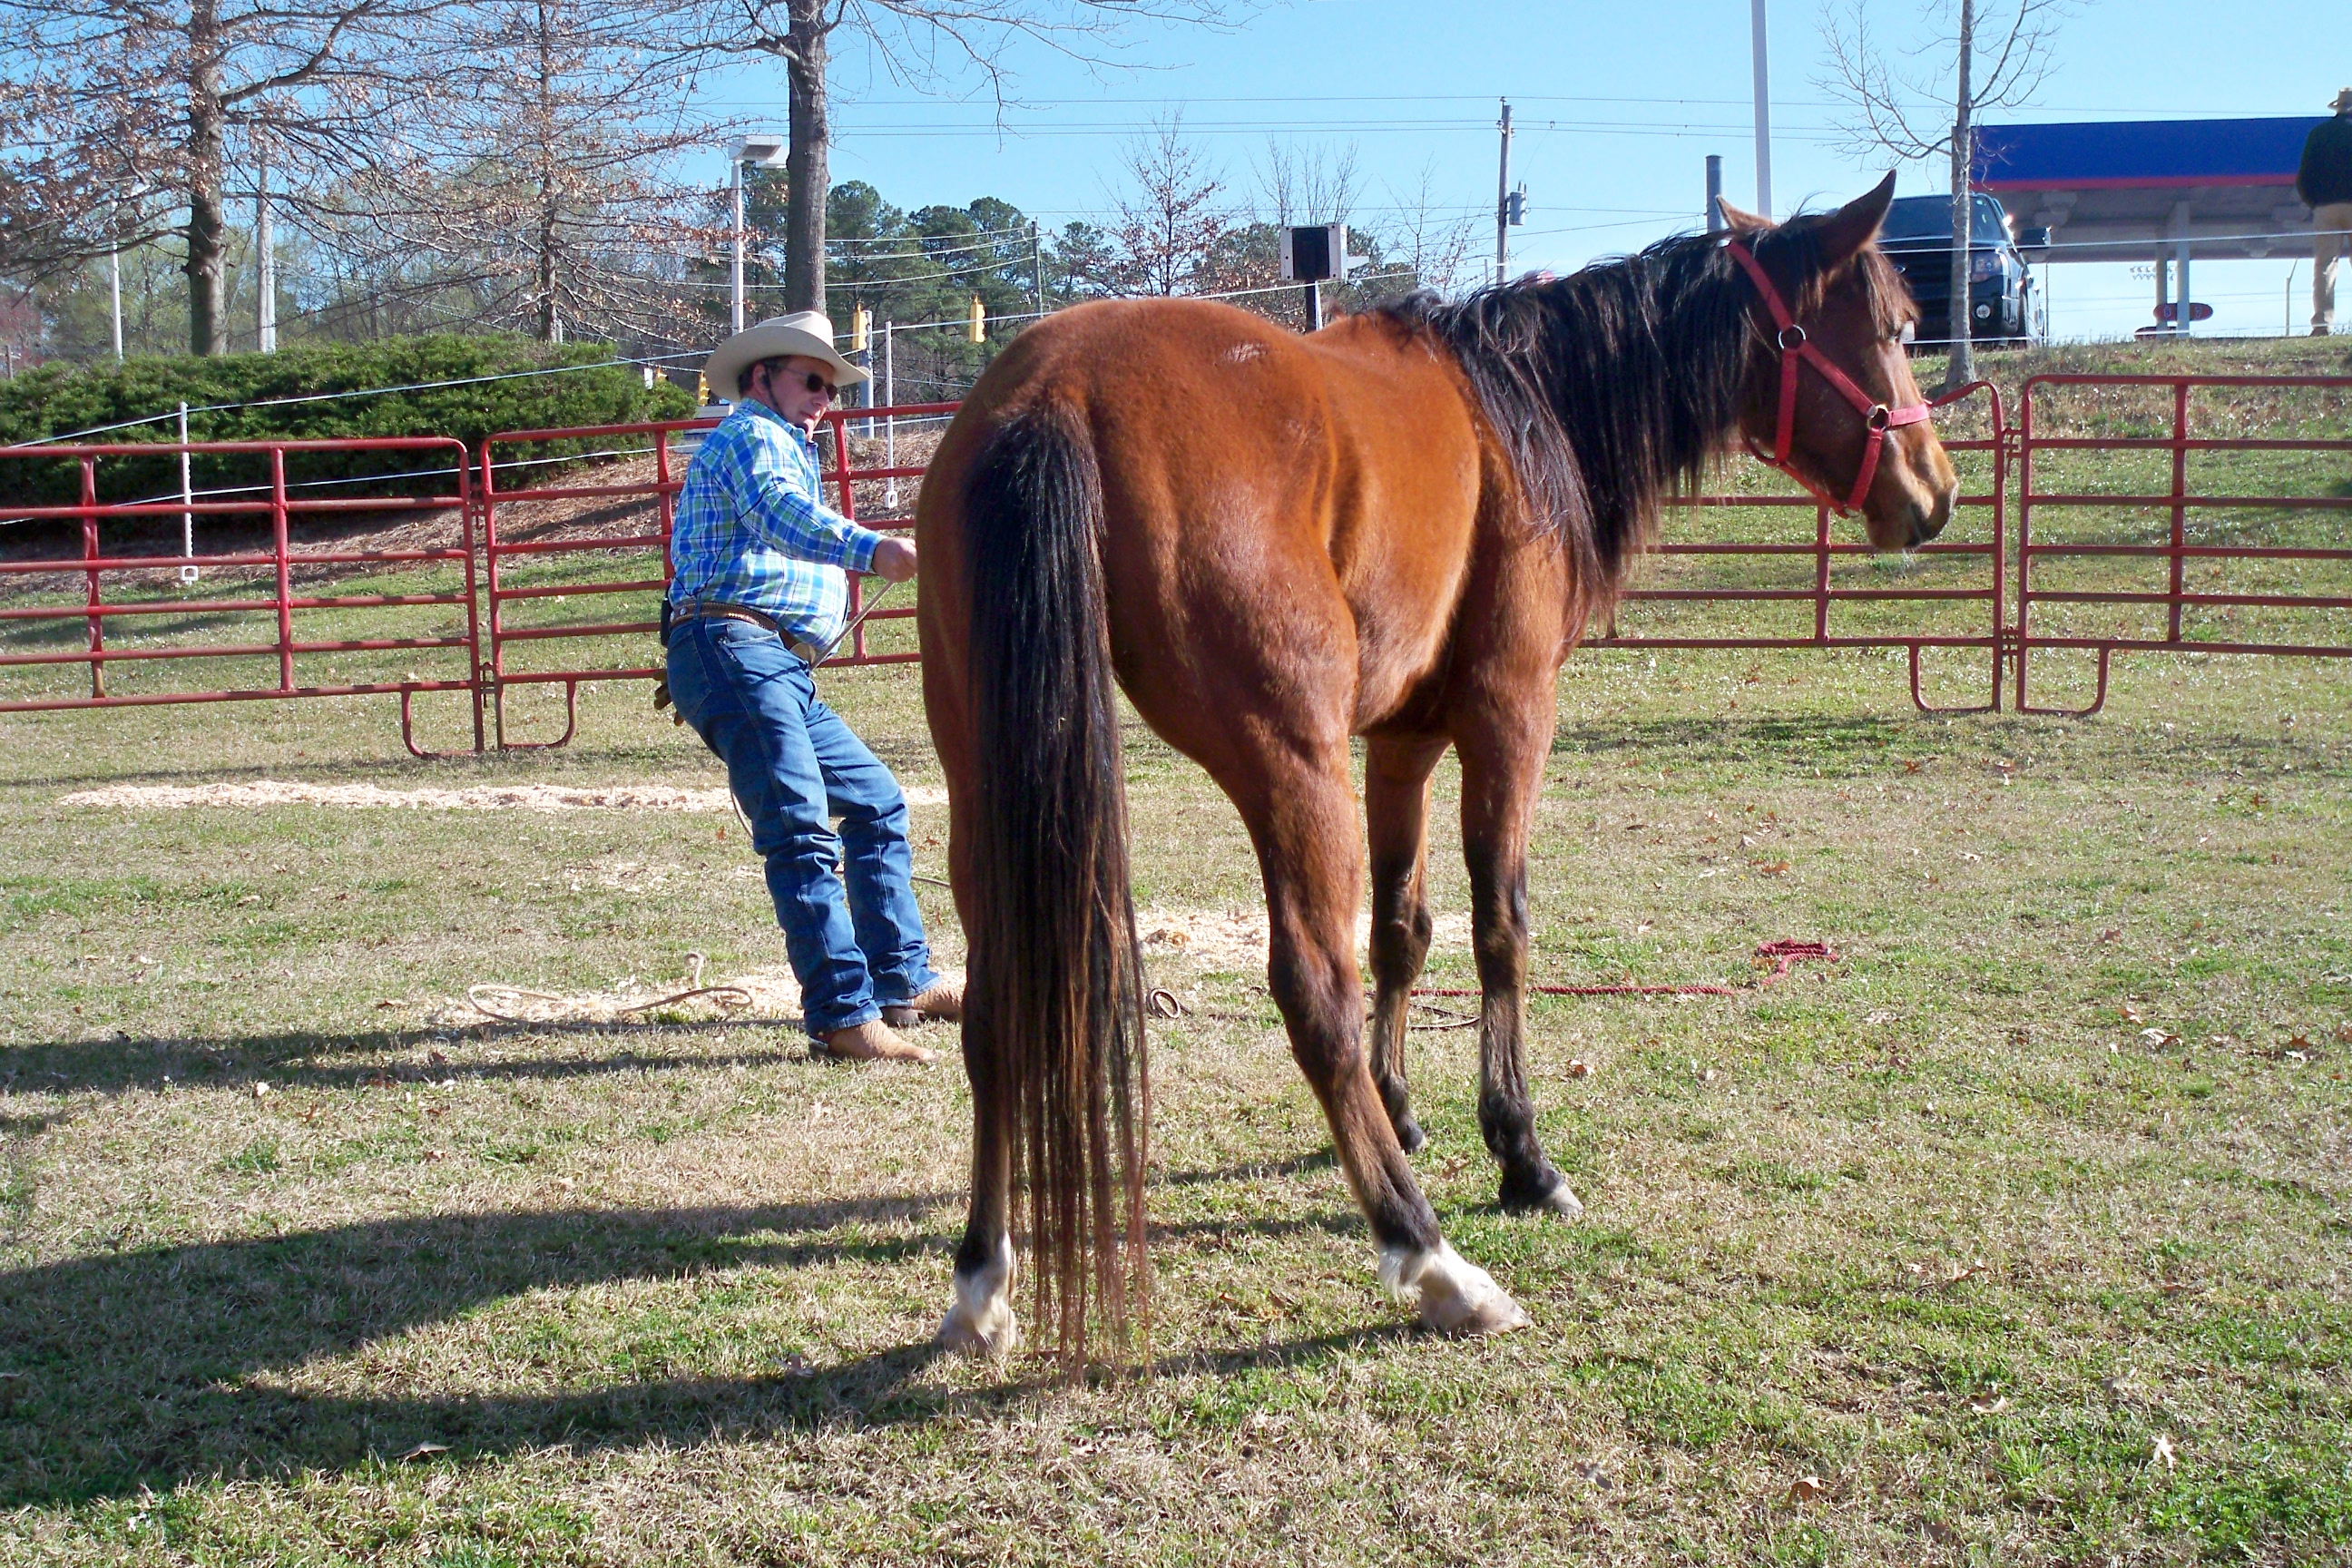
{"x": 732, "y": 999}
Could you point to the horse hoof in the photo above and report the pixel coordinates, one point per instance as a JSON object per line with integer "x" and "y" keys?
{"x": 1563, "y": 1203}
{"x": 1455, "y": 1297}
{"x": 982, "y": 1324}
{"x": 966, "y": 1335}
{"x": 1410, "y": 1137}
{"x": 1540, "y": 1196}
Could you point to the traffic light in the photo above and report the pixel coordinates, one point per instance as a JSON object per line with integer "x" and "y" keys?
{"x": 976, "y": 327}
{"x": 861, "y": 324}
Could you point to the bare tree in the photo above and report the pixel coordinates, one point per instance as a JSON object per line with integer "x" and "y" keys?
{"x": 539, "y": 185}
{"x": 121, "y": 121}
{"x": 1174, "y": 216}
{"x": 918, "y": 44}
{"x": 1892, "y": 108}
{"x": 1433, "y": 240}
{"x": 1304, "y": 185}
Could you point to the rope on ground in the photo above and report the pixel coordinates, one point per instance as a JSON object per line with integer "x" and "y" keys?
{"x": 1780, "y": 955}
{"x": 580, "y": 1009}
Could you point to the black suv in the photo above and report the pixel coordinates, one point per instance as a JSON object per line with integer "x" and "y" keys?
{"x": 1917, "y": 237}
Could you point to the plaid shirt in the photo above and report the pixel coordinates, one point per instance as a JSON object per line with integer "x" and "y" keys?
{"x": 752, "y": 531}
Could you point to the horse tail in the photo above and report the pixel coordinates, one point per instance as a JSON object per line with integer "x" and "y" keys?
{"x": 1053, "y": 1001}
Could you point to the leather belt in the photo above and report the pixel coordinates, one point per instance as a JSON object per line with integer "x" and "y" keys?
{"x": 719, "y": 610}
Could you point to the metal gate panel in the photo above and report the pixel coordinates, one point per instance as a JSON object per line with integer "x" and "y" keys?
{"x": 2152, "y": 490}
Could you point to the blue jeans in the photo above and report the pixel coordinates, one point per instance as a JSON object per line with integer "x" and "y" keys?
{"x": 793, "y": 764}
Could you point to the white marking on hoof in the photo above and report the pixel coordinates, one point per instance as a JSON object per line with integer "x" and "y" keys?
{"x": 981, "y": 1323}
{"x": 1564, "y": 1204}
{"x": 1456, "y": 1296}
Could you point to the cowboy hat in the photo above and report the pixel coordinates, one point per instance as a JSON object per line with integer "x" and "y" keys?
{"x": 2343, "y": 100}
{"x": 804, "y": 332}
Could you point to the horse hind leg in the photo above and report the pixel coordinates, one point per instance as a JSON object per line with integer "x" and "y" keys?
{"x": 1303, "y": 822}
{"x": 1396, "y": 807}
{"x": 981, "y": 1323}
{"x": 1500, "y": 772}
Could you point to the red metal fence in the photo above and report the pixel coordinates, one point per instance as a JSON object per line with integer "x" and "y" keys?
{"x": 628, "y": 516}
{"x": 168, "y": 591}
{"x": 2226, "y": 537}
{"x": 1976, "y": 535}
{"x": 561, "y": 587}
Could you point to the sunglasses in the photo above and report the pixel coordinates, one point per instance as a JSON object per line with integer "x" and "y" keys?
{"x": 813, "y": 381}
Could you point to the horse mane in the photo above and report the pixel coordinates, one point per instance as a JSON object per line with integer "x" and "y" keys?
{"x": 1611, "y": 390}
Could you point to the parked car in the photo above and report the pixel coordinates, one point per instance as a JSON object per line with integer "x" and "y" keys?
{"x": 1917, "y": 237}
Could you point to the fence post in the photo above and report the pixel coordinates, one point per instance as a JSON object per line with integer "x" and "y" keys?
{"x": 90, "y": 552}
{"x": 473, "y": 593}
{"x": 279, "y": 545}
{"x": 2179, "y": 481}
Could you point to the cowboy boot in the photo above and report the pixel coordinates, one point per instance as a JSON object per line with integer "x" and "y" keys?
{"x": 872, "y": 1041}
{"x": 940, "y": 1002}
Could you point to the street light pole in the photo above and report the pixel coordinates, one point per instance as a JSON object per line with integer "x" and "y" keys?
{"x": 761, "y": 150}
{"x": 266, "y": 317}
{"x": 1763, "y": 113}
{"x": 736, "y": 316}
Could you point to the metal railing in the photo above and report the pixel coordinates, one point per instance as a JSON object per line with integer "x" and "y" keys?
{"x": 2192, "y": 524}
{"x": 596, "y": 545}
{"x": 84, "y": 579}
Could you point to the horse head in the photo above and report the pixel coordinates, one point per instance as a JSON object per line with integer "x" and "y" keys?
{"x": 1832, "y": 399}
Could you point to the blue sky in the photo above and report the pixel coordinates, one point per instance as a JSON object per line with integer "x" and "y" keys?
{"x": 1617, "y": 105}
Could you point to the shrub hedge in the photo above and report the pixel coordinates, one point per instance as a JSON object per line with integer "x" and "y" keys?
{"x": 585, "y": 388}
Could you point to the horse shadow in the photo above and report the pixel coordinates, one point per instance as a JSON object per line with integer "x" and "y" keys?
{"x": 147, "y": 1368}
{"x": 374, "y": 1058}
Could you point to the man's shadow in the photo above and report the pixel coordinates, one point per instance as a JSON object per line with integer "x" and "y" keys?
{"x": 147, "y": 1368}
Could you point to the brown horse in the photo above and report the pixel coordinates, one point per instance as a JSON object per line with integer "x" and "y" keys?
{"x": 1396, "y": 528}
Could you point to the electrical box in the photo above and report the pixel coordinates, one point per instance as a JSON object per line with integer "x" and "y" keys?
{"x": 1312, "y": 254}
{"x": 1515, "y": 207}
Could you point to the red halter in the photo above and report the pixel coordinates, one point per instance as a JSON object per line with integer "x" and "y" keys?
{"x": 1794, "y": 347}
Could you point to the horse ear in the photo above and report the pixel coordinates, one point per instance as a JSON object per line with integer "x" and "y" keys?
{"x": 1742, "y": 222}
{"x": 1845, "y": 231}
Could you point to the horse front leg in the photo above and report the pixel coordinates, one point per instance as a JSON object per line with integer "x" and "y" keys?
{"x": 1304, "y": 824}
{"x": 1396, "y": 807}
{"x": 1502, "y": 769}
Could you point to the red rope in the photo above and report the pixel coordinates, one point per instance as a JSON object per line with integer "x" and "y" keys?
{"x": 1783, "y": 954}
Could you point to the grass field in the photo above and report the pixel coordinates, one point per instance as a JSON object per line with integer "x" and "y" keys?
{"x": 2021, "y": 1234}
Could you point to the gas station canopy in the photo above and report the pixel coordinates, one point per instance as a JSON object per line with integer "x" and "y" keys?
{"x": 2116, "y": 191}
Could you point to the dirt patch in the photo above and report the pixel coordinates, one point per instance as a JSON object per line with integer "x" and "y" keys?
{"x": 1235, "y": 940}
{"x": 374, "y": 797}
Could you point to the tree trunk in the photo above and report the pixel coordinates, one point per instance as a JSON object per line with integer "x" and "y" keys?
{"x": 207, "y": 223}
{"x": 548, "y": 330}
{"x": 1962, "y": 367}
{"x": 805, "y": 162}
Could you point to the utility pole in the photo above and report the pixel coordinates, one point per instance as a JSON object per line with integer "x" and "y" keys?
{"x": 1503, "y": 199}
{"x": 1037, "y": 258}
{"x": 1763, "y": 115}
{"x": 114, "y": 277}
{"x": 266, "y": 308}
{"x": 735, "y": 163}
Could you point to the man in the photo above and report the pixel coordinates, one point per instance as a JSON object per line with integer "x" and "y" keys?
{"x": 2324, "y": 183}
{"x": 758, "y": 593}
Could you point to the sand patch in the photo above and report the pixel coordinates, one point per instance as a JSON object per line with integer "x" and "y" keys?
{"x": 1235, "y": 940}
{"x": 374, "y": 797}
